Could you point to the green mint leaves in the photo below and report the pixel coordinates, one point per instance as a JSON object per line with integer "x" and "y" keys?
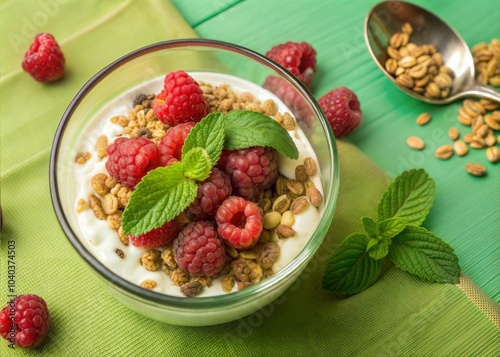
{"x": 409, "y": 196}
{"x": 159, "y": 197}
{"x": 166, "y": 191}
{"x": 245, "y": 128}
{"x": 397, "y": 235}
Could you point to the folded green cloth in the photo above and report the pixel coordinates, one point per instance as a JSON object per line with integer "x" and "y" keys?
{"x": 399, "y": 315}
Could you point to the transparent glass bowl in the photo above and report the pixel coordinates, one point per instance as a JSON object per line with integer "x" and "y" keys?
{"x": 190, "y": 55}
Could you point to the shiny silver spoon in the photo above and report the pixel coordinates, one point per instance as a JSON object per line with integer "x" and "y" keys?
{"x": 386, "y": 18}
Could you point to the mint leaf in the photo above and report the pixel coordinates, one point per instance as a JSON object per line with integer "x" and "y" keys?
{"x": 409, "y": 196}
{"x": 370, "y": 226}
{"x": 245, "y": 128}
{"x": 207, "y": 134}
{"x": 350, "y": 268}
{"x": 379, "y": 251}
{"x": 159, "y": 197}
{"x": 391, "y": 227}
{"x": 419, "y": 252}
{"x": 196, "y": 164}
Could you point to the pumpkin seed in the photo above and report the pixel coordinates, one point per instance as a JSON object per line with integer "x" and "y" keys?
{"x": 460, "y": 148}
{"x": 415, "y": 143}
{"x": 423, "y": 118}
{"x": 493, "y": 154}
{"x": 475, "y": 169}
{"x": 453, "y": 133}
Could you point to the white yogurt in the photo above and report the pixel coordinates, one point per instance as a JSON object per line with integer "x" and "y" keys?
{"x": 103, "y": 241}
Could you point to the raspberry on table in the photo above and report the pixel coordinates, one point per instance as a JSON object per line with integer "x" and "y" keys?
{"x": 130, "y": 159}
{"x": 170, "y": 147}
{"x": 30, "y": 317}
{"x": 211, "y": 193}
{"x": 198, "y": 250}
{"x": 297, "y": 57}
{"x": 44, "y": 60}
{"x": 239, "y": 222}
{"x": 291, "y": 97}
{"x": 181, "y": 100}
{"x": 157, "y": 237}
{"x": 342, "y": 109}
{"x": 251, "y": 170}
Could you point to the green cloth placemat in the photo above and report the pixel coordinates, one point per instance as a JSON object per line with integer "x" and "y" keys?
{"x": 467, "y": 209}
{"x": 400, "y": 315}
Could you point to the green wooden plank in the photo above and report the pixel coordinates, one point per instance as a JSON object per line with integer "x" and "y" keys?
{"x": 196, "y": 12}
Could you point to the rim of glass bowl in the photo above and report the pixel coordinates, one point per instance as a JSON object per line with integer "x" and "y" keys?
{"x": 209, "y": 301}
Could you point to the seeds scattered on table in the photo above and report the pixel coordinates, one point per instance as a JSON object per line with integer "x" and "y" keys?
{"x": 475, "y": 169}
{"x": 444, "y": 152}
{"x": 460, "y": 148}
{"x": 453, "y": 133}
{"x": 493, "y": 154}
{"x": 415, "y": 143}
{"x": 423, "y": 118}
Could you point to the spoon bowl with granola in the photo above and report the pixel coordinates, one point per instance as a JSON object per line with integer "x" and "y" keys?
{"x": 423, "y": 56}
{"x": 196, "y": 178}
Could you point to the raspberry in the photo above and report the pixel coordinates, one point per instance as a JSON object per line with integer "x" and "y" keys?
{"x": 170, "y": 147}
{"x": 251, "y": 170}
{"x": 180, "y": 101}
{"x": 211, "y": 193}
{"x": 240, "y": 222}
{"x": 158, "y": 237}
{"x": 292, "y": 99}
{"x": 44, "y": 59}
{"x": 342, "y": 109}
{"x": 198, "y": 250}
{"x": 31, "y": 319}
{"x": 130, "y": 159}
{"x": 297, "y": 57}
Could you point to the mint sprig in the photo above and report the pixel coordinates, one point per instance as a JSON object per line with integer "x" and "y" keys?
{"x": 409, "y": 196}
{"x": 246, "y": 128}
{"x": 396, "y": 235}
{"x": 159, "y": 197}
{"x": 420, "y": 252}
{"x": 351, "y": 268}
{"x": 165, "y": 192}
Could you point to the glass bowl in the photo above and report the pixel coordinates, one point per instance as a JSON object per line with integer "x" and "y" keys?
{"x": 153, "y": 61}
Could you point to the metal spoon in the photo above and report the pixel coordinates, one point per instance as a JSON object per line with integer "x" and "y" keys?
{"x": 386, "y": 18}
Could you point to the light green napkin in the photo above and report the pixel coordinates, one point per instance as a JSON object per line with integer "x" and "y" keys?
{"x": 399, "y": 315}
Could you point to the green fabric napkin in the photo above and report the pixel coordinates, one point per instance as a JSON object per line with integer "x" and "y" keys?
{"x": 399, "y": 315}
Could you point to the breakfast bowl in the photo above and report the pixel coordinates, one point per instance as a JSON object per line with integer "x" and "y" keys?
{"x": 142, "y": 71}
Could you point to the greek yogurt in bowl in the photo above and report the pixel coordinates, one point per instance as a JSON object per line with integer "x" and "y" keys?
{"x": 125, "y": 259}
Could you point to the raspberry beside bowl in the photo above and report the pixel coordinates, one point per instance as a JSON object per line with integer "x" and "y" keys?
{"x": 136, "y": 68}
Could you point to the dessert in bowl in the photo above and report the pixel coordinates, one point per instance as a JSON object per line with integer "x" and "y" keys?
{"x": 216, "y": 66}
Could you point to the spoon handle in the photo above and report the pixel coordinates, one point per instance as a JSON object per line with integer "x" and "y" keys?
{"x": 483, "y": 91}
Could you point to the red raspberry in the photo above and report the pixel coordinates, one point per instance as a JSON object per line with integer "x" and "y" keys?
{"x": 198, "y": 250}
{"x": 180, "y": 101}
{"x": 130, "y": 159}
{"x": 158, "y": 237}
{"x": 170, "y": 146}
{"x": 240, "y": 222}
{"x": 297, "y": 57}
{"x": 251, "y": 170}
{"x": 31, "y": 319}
{"x": 211, "y": 192}
{"x": 342, "y": 109}
{"x": 292, "y": 99}
{"x": 44, "y": 59}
